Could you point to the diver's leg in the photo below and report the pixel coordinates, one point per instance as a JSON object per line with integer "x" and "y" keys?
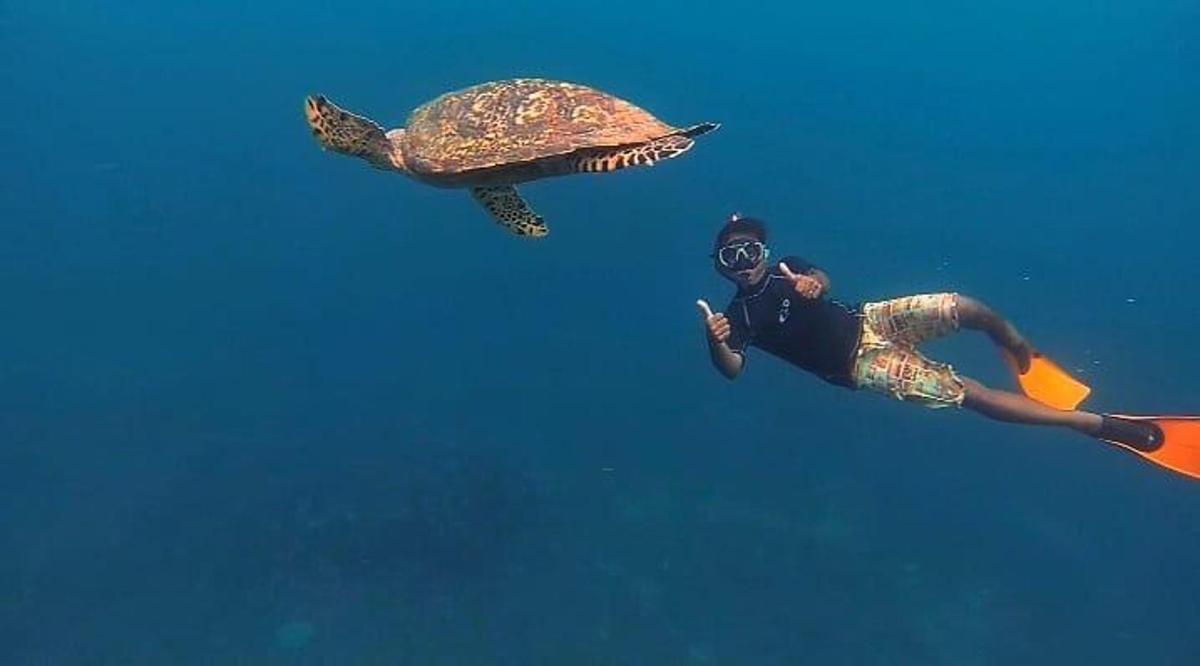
{"x": 1016, "y": 408}
{"x": 906, "y": 374}
{"x": 975, "y": 315}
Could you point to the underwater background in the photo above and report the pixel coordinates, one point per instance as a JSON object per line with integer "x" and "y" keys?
{"x": 261, "y": 404}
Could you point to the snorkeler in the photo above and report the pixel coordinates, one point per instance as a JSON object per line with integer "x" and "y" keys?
{"x": 783, "y": 308}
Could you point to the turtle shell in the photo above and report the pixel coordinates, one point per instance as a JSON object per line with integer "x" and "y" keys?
{"x": 521, "y": 120}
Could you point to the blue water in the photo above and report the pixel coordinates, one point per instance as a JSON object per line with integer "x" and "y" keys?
{"x": 261, "y": 404}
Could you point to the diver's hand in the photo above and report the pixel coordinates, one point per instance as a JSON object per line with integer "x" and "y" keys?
{"x": 806, "y": 285}
{"x": 718, "y": 324}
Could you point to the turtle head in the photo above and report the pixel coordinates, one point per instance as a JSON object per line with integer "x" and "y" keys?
{"x": 338, "y": 130}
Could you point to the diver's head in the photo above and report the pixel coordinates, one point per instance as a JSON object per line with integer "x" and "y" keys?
{"x": 740, "y": 252}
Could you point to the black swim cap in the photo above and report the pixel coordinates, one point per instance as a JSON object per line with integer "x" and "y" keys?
{"x": 737, "y": 225}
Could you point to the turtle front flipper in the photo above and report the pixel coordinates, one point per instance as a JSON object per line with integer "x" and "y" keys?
{"x": 347, "y": 133}
{"x": 603, "y": 160}
{"x": 507, "y": 207}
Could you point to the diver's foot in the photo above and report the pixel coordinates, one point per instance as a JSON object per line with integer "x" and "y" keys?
{"x": 1143, "y": 435}
{"x": 1017, "y": 346}
{"x": 1022, "y": 352}
{"x": 1006, "y": 337}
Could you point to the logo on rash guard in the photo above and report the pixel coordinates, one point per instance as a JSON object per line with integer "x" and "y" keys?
{"x": 785, "y": 310}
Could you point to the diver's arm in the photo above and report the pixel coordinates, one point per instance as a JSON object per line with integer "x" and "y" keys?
{"x": 820, "y": 276}
{"x": 727, "y": 361}
{"x": 809, "y": 281}
{"x": 719, "y": 329}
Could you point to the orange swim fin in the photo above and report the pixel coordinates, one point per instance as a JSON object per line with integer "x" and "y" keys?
{"x": 1049, "y": 384}
{"x": 1170, "y": 441}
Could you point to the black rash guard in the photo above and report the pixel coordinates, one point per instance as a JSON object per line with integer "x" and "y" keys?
{"x": 819, "y": 335}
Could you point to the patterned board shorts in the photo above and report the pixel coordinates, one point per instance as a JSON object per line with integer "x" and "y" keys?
{"x": 887, "y": 356}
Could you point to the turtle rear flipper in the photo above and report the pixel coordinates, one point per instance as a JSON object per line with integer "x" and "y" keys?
{"x": 602, "y": 160}
{"x": 347, "y": 133}
{"x": 508, "y": 209}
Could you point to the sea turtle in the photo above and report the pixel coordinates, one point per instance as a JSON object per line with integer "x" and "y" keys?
{"x": 492, "y": 136}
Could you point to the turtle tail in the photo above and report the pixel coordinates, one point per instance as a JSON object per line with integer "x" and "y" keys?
{"x": 341, "y": 131}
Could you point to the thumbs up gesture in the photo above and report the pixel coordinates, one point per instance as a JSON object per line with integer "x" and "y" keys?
{"x": 806, "y": 285}
{"x": 718, "y": 324}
